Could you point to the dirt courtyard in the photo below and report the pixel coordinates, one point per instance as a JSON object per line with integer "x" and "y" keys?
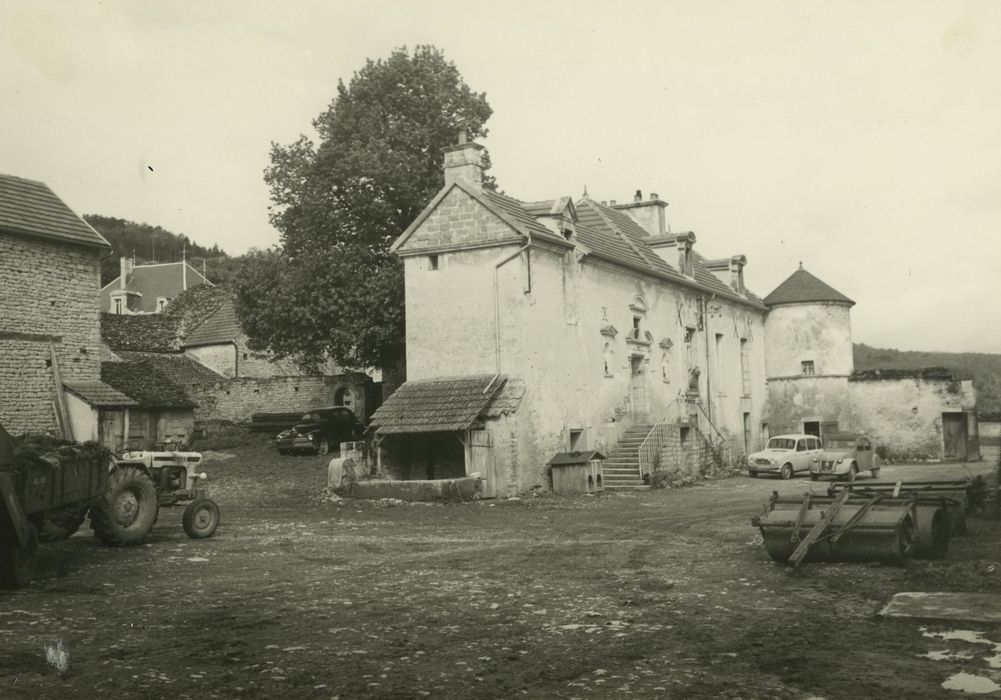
{"x": 648, "y": 594}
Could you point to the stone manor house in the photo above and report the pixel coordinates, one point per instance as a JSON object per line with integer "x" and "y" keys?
{"x": 559, "y": 325}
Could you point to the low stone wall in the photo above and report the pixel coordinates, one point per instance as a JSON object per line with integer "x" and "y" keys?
{"x": 237, "y": 399}
{"x": 462, "y": 489}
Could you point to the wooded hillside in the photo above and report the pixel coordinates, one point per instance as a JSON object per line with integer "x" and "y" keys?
{"x": 983, "y": 368}
{"x": 154, "y": 244}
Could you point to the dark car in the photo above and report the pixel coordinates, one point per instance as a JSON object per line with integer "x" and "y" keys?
{"x": 320, "y": 430}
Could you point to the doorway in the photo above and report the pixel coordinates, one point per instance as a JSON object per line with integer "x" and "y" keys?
{"x": 954, "y": 436}
{"x": 637, "y": 387}
{"x": 811, "y": 427}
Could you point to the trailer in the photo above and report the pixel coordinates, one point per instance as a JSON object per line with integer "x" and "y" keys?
{"x": 46, "y": 494}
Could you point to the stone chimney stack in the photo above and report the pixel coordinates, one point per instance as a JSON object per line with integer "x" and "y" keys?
{"x": 464, "y": 161}
{"x": 647, "y": 213}
{"x": 124, "y": 272}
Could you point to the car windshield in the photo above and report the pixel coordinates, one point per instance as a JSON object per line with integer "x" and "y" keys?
{"x": 842, "y": 444}
{"x": 781, "y": 444}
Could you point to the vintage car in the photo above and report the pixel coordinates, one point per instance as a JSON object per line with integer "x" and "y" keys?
{"x": 844, "y": 456}
{"x": 319, "y": 431}
{"x": 785, "y": 455}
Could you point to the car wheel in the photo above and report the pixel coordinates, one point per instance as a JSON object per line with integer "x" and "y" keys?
{"x": 875, "y": 473}
{"x": 853, "y": 472}
{"x": 786, "y": 472}
{"x": 814, "y": 477}
{"x": 752, "y": 474}
{"x": 322, "y": 447}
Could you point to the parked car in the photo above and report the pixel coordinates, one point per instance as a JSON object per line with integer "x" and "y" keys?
{"x": 785, "y": 455}
{"x": 320, "y": 430}
{"x": 844, "y": 456}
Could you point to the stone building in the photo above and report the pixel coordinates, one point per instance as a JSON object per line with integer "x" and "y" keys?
{"x": 561, "y": 325}
{"x": 49, "y": 287}
{"x": 148, "y": 289}
{"x": 813, "y": 387}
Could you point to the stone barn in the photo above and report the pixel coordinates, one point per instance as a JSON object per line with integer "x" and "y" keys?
{"x": 49, "y": 286}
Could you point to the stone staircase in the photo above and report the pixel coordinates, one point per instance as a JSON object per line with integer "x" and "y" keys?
{"x": 621, "y": 469}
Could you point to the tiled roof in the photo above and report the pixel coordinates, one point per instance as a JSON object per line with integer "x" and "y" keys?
{"x": 516, "y": 211}
{"x": 177, "y": 367}
{"x": 143, "y": 333}
{"x": 801, "y": 287}
{"x": 99, "y": 394}
{"x": 437, "y": 405}
{"x": 144, "y": 383}
{"x": 612, "y": 235}
{"x": 30, "y": 208}
{"x": 221, "y": 327}
{"x": 153, "y": 281}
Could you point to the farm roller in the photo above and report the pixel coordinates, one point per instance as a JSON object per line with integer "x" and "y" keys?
{"x": 853, "y": 527}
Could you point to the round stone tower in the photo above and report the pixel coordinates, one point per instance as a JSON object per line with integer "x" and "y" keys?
{"x": 808, "y": 355}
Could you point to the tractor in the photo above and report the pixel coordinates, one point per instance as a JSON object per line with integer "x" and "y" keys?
{"x": 176, "y": 478}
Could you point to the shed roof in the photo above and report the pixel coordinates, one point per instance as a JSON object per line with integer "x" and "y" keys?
{"x": 437, "y": 405}
{"x": 563, "y": 459}
{"x": 177, "y": 367}
{"x": 146, "y": 384}
{"x": 99, "y": 394}
{"x": 30, "y": 208}
{"x": 802, "y": 287}
{"x": 220, "y": 327}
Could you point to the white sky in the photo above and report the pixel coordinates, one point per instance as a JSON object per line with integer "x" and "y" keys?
{"x": 859, "y": 137}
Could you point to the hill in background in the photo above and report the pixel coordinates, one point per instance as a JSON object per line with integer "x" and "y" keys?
{"x": 983, "y": 368}
{"x": 153, "y": 244}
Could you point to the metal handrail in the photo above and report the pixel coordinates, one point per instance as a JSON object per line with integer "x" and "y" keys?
{"x": 644, "y": 457}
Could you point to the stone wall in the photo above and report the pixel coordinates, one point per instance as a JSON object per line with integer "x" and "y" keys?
{"x": 48, "y": 292}
{"x": 817, "y": 332}
{"x": 239, "y": 398}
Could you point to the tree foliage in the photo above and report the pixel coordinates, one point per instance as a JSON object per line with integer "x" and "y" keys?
{"x": 332, "y": 288}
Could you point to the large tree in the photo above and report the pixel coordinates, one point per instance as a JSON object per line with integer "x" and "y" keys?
{"x": 331, "y": 288}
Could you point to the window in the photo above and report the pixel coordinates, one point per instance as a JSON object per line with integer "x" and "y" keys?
{"x": 608, "y": 358}
{"x": 807, "y": 366}
{"x": 745, "y": 366}
{"x": 576, "y": 440}
{"x": 161, "y": 304}
{"x": 118, "y": 306}
{"x": 720, "y": 365}
{"x": 801, "y": 445}
{"x": 432, "y": 262}
{"x": 812, "y": 443}
{"x": 637, "y": 331}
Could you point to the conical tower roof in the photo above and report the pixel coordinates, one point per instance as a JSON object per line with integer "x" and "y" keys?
{"x": 802, "y": 287}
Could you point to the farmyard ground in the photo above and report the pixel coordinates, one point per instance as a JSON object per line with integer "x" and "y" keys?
{"x": 652, "y": 594}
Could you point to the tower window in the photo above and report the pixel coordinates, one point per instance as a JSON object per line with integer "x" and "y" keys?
{"x": 807, "y": 366}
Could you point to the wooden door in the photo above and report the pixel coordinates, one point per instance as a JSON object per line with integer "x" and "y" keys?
{"x": 954, "y": 436}
{"x": 111, "y": 429}
{"x": 637, "y": 388}
{"x": 481, "y": 460}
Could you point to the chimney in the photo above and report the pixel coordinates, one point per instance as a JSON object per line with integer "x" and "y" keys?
{"x": 685, "y": 242}
{"x": 737, "y": 263}
{"x": 649, "y": 213}
{"x": 124, "y": 272}
{"x": 464, "y": 162}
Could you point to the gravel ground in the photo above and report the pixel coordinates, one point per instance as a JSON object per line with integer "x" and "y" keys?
{"x": 649, "y": 594}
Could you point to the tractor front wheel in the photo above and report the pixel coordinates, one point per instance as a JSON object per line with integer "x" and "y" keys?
{"x": 201, "y": 518}
{"x": 17, "y": 563}
{"x": 127, "y": 510}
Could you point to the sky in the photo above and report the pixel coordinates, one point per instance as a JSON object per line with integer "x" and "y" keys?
{"x": 859, "y": 138}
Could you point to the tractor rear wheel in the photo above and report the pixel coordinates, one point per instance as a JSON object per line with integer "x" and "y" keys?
{"x": 127, "y": 510}
{"x": 17, "y": 563}
{"x": 201, "y": 518}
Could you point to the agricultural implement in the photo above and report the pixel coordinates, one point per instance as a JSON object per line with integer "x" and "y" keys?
{"x": 957, "y": 493}
{"x": 854, "y": 527}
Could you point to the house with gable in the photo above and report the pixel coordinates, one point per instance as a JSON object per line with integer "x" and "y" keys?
{"x": 148, "y": 289}
{"x": 49, "y": 329}
{"x": 540, "y": 327}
